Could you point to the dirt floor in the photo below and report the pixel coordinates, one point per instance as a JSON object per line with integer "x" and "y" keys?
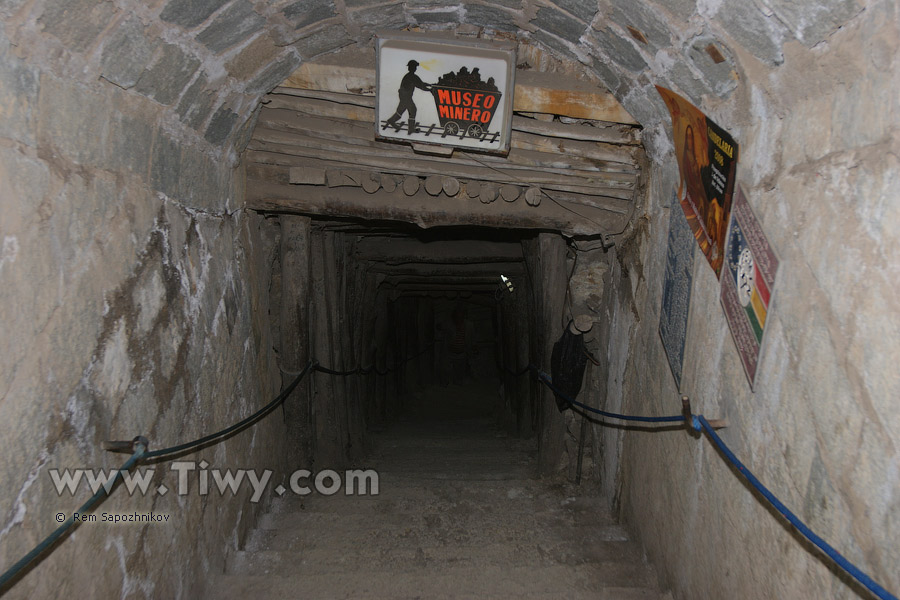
{"x": 459, "y": 514}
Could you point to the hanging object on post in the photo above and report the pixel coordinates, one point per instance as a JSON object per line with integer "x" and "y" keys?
{"x": 567, "y": 364}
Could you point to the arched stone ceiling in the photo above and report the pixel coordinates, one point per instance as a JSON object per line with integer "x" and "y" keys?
{"x": 210, "y": 61}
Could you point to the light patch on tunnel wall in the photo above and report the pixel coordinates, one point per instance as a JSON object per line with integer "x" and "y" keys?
{"x": 446, "y": 92}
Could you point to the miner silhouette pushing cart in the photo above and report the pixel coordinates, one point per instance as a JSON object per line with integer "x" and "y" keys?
{"x": 408, "y": 85}
{"x": 465, "y": 104}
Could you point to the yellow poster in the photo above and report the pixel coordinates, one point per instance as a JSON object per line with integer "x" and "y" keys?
{"x": 707, "y": 156}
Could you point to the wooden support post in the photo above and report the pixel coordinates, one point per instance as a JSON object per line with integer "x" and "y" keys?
{"x": 294, "y": 327}
{"x": 550, "y": 264}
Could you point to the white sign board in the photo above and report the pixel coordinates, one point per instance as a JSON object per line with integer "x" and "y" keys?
{"x": 447, "y": 92}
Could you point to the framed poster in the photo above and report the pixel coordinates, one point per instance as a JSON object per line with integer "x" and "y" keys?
{"x": 747, "y": 283}
{"x": 446, "y": 92}
{"x": 707, "y": 157}
{"x": 676, "y": 296}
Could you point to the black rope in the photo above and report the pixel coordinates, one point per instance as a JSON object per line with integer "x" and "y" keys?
{"x": 14, "y": 571}
{"x": 138, "y": 448}
{"x": 369, "y": 369}
{"x": 243, "y": 423}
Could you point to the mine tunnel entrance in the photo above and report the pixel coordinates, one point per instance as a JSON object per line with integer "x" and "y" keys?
{"x": 424, "y": 335}
{"x": 446, "y": 292}
{"x": 428, "y": 322}
{"x": 441, "y": 269}
{"x": 432, "y": 288}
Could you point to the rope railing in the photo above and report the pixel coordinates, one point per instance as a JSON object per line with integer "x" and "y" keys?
{"x": 546, "y": 380}
{"x": 139, "y": 449}
{"x": 701, "y": 424}
{"x": 371, "y": 368}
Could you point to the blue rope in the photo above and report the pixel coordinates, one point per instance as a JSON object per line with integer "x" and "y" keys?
{"x": 545, "y": 379}
{"x": 699, "y": 421}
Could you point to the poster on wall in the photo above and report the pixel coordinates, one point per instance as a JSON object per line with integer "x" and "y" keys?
{"x": 446, "y": 92}
{"x": 747, "y": 283}
{"x": 676, "y": 296}
{"x": 707, "y": 157}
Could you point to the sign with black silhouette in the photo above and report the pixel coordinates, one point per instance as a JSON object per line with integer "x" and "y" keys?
{"x": 747, "y": 283}
{"x": 446, "y": 92}
{"x": 707, "y": 157}
{"x": 676, "y": 296}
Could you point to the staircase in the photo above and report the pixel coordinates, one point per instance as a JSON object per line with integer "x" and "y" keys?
{"x": 460, "y": 514}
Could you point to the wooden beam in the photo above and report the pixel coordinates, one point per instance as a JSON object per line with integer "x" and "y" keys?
{"x": 492, "y": 279}
{"x": 333, "y": 78}
{"x": 317, "y": 120}
{"x": 393, "y": 251}
{"x": 557, "y": 94}
{"x": 479, "y": 288}
{"x": 275, "y": 167}
{"x": 535, "y": 92}
{"x": 427, "y": 271}
{"x": 613, "y": 133}
{"x": 426, "y": 212}
{"x": 593, "y": 184}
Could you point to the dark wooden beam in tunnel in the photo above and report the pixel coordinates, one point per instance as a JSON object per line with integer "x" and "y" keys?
{"x": 275, "y": 167}
{"x": 618, "y": 187}
{"x": 443, "y": 270}
{"x": 574, "y": 219}
{"x": 301, "y": 123}
{"x": 445, "y": 287}
{"x": 393, "y": 251}
{"x": 446, "y": 280}
{"x": 493, "y": 278}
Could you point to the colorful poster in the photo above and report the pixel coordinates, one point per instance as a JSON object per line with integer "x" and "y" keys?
{"x": 676, "y": 297}
{"x": 707, "y": 157}
{"x": 445, "y": 92}
{"x": 747, "y": 284}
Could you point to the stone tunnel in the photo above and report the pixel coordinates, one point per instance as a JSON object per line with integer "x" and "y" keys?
{"x": 195, "y": 206}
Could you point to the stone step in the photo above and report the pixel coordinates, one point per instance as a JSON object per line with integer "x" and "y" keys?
{"x": 461, "y": 516}
{"x": 430, "y": 503}
{"x": 344, "y": 538}
{"x": 460, "y": 513}
{"x": 466, "y": 582}
{"x": 412, "y": 493}
{"x": 621, "y": 561}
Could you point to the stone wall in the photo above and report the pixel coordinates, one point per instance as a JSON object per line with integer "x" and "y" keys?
{"x": 131, "y": 302}
{"x": 816, "y": 119}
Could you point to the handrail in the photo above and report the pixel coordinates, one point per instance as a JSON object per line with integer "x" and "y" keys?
{"x": 139, "y": 449}
{"x": 699, "y": 423}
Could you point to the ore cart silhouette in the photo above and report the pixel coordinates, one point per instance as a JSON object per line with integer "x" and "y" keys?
{"x": 466, "y": 112}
